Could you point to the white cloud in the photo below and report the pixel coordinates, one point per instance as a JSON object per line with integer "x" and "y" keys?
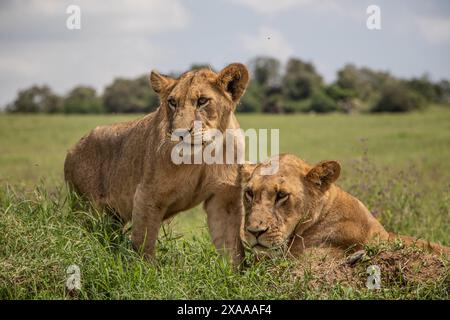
{"x": 139, "y": 15}
{"x": 268, "y": 42}
{"x": 271, "y": 7}
{"x": 63, "y": 65}
{"x": 435, "y": 30}
{"x": 116, "y": 39}
{"x": 102, "y": 17}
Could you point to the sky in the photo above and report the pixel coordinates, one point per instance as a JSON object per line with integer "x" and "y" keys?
{"x": 130, "y": 38}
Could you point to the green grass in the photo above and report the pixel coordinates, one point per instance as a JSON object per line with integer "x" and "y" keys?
{"x": 399, "y": 165}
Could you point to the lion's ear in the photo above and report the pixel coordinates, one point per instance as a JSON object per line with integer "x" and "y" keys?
{"x": 233, "y": 79}
{"x": 324, "y": 174}
{"x": 160, "y": 82}
{"x": 246, "y": 171}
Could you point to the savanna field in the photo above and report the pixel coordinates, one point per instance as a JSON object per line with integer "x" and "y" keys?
{"x": 398, "y": 165}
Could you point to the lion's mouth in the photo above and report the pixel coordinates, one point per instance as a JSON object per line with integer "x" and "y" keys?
{"x": 196, "y": 142}
{"x": 198, "y": 139}
{"x": 275, "y": 246}
{"x": 259, "y": 246}
{"x": 271, "y": 251}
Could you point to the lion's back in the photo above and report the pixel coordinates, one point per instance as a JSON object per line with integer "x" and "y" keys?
{"x": 88, "y": 163}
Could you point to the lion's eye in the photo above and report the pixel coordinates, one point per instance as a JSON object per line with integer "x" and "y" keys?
{"x": 281, "y": 197}
{"x": 202, "y": 101}
{"x": 172, "y": 103}
{"x": 249, "y": 194}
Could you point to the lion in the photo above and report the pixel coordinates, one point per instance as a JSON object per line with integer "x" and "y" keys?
{"x": 299, "y": 207}
{"x": 126, "y": 168}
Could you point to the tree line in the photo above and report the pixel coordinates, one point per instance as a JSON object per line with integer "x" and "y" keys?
{"x": 297, "y": 87}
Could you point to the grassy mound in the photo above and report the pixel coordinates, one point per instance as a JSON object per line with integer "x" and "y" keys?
{"x": 41, "y": 236}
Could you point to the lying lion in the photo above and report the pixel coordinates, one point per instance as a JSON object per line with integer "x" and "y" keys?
{"x": 127, "y": 167}
{"x": 300, "y": 207}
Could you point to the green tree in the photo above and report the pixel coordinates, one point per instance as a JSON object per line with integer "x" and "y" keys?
{"x": 265, "y": 71}
{"x": 425, "y": 87}
{"x": 322, "y": 103}
{"x": 274, "y": 103}
{"x": 300, "y": 80}
{"x": 397, "y": 97}
{"x": 82, "y": 99}
{"x": 345, "y": 99}
{"x": 366, "y": 83}
{"x": 36, "y": 99}
{"x": 443, "y": 90}
{"x": 253, "y": 99}
{"x": 293, "y": 106}
{"x": 130, "y": 95}
{"x": 338, "y": 93}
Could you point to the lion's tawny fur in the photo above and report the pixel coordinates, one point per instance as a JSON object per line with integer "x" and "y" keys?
{"x": 127, "y": 167}
{"x": 316, "y": 212}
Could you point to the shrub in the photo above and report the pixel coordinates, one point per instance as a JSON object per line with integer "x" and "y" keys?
{"x": 36, "y": 99}
{"x": 291, "y": 106}
{"x": 252, "y": 100}
{"x": 322, "y": 103}
{"x": 82, "y": 100}
{"x": 300, "y": 80}
{"x": 338, "y": 93}
{"x": 273, "y": 104}
{"x": 397, "y": 97}
{"x": 127, "y": 96}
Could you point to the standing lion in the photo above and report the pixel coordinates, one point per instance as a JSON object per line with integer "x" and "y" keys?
{"x": 127, "y": 167}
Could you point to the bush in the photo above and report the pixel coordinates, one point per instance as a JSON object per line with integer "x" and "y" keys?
{"x": 273, "y": 104}
{"x": 292, "y": 106}
{"x": 36, "y": 99}
{"x": 127, "y": 96}
{"x": 265, "y": 71}
{"x": 397, "y": 97}
{"x": 252, "y": 100}
{"x": 322, "y": 103}
{"x": 338, "y": 93}
{"x": 297, "y": 88}
{"x": 364, "y": 82}
{"x": 82, "y": 100}
{"x": 425, "y": 87}
{"x": 443, "y": 90}
{"x": 300, "y": 80}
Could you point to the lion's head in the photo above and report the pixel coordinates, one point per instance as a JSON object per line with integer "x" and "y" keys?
{"x": 276, "y": 204}
{"x": 200, "y": 95}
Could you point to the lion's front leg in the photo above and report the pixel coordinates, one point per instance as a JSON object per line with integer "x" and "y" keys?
{"x": 297, "y": 246}
{"x": 224, "y": 215}
{"x": 146, "y": 221}
{"x": 302, "y": 245}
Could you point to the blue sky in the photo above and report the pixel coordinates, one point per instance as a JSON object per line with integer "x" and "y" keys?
{"x": 129, "y": 38}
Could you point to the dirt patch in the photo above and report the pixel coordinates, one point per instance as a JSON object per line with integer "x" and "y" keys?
{"x": 399, "y": 267}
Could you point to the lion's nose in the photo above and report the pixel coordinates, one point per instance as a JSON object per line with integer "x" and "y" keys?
{"x": 257, "y": 231}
